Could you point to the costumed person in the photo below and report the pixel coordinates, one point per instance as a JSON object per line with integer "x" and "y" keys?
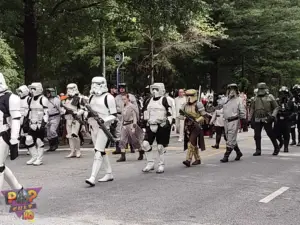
{"x": 284, "y": 119}
{"x": 38, "y": 119}
{"x": 104, "y": 105}
{"x": 130, "y": 133}
{"x": 73, "y": 108}
{"x": 158, "y": 117}
{"x": 10, "y": 130}
{"x": 23, "y": 93}
{"x": 120, "y": 107}
{"x": 209, "y": 108}
{"x": 194, "y": 112}
{"x": 296, "y": 119}
{"x": 244, "y": 123}
{"x": 218, "y": 121}
{"x": 179, "y": 102}
{"x": 234, "y": 110}
{"x": 54, "y": 112}
{"x": 264, "y": 109}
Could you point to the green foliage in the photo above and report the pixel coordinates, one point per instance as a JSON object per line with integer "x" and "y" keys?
{"x": 8, "y": 66}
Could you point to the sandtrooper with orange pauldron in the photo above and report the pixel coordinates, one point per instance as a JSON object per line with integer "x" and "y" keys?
{"x": 194, "y": 112}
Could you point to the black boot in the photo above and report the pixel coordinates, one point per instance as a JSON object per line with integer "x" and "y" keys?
{"x": 123, "y": 158}
{"x": 280, "y": 143}
{"x": 258, "y": 147}
{"x": 50, "y": 141}
{"x": 226, "y": 155}
{"x": 293, "y": 142}
{"x": 187, "y": 163}
{"x": 118, "y": 150}
{"x": 286, "y": 145}
{"x": 141, "y": 155}
{"x": 131, "y": 149}
{"x": 215, "y": 146}
{"x": 55, "y": 144}
{"x": 239, "y": 154}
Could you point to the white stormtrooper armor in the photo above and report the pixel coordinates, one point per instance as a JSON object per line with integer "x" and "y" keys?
{"x": 105, "y": 105}
{"x": 159, "y": 116}
{"x": 23, "y": 93}
{"x": 75, "y": 103}
{"x": 9, "y": 131}
{"x": 38, "y": 118}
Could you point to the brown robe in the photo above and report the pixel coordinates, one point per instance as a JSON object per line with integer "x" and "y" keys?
{"x": 130, "y": 117}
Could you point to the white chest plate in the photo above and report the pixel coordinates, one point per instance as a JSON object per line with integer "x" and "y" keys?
{"x": 36, "y": 110}
{"x": 98, "y": 105}
{"x": 156, "y": 112}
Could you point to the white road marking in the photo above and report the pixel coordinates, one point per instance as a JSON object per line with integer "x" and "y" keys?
{"x": 274, "y": 195}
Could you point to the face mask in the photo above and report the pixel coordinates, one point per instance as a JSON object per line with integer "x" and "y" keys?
{"x": 155, "y": 92}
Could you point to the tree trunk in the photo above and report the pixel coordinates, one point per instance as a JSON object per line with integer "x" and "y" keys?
{"x": 103, "y": 56}
{"x": 30, "y": 42}
{"x": 152, "y": 60}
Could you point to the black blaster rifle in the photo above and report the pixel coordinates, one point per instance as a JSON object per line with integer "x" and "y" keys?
{"x": 70, "y": 111}
{"x": 189, "y": 117}
{"x": 100, "y": 122}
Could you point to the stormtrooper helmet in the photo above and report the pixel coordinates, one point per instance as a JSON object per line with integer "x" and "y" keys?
{"x": 22, "y": 91}
{"x": 72, "y": 89}
{"x": 99, "y": 86}
{"x": 3, "y": 86}
{"x": 157, "y": 90}
{"x": 232, "y": 90}
{"x": 191, "y": 96}
{"x": 36, "y": 88}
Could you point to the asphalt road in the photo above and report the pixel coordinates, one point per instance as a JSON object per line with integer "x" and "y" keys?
{"x": 209, "y": 194}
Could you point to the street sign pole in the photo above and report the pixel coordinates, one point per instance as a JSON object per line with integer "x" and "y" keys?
{"x": 120, "y": 59}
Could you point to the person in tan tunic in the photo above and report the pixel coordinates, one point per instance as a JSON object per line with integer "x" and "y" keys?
{"x": 131, "y": 133}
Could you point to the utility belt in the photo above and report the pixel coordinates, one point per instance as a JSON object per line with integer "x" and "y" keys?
{"x": 56, "y": 114}
{"x": 218, "y": 116}
{"x": 230, "y": 119}
{"x": 119, "y": 113}
{"x": 127, "y": 122}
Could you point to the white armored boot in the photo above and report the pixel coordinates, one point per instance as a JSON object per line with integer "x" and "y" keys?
{"x": 98, "y": 159}
{"x": 150, "y": 162}
{"x": 107, "y": 167}
{"x": 161, "y": 158}
{"x": 39, "y": 159}
{"x": 77, "y": 147}
{"x": 11, "y": 179}
{"x": 72, "y": 148}
{"x": 34, "y": 154}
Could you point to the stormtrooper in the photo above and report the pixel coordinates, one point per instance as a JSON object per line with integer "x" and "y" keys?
{"x": 23, "y": 93}
{"x": 10, "y": 115}
{"x": 38, "y": 118}
{"x": 158, "y": 117}
{"x": 73, "y": 108}
{"x": 104, "y": 105}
